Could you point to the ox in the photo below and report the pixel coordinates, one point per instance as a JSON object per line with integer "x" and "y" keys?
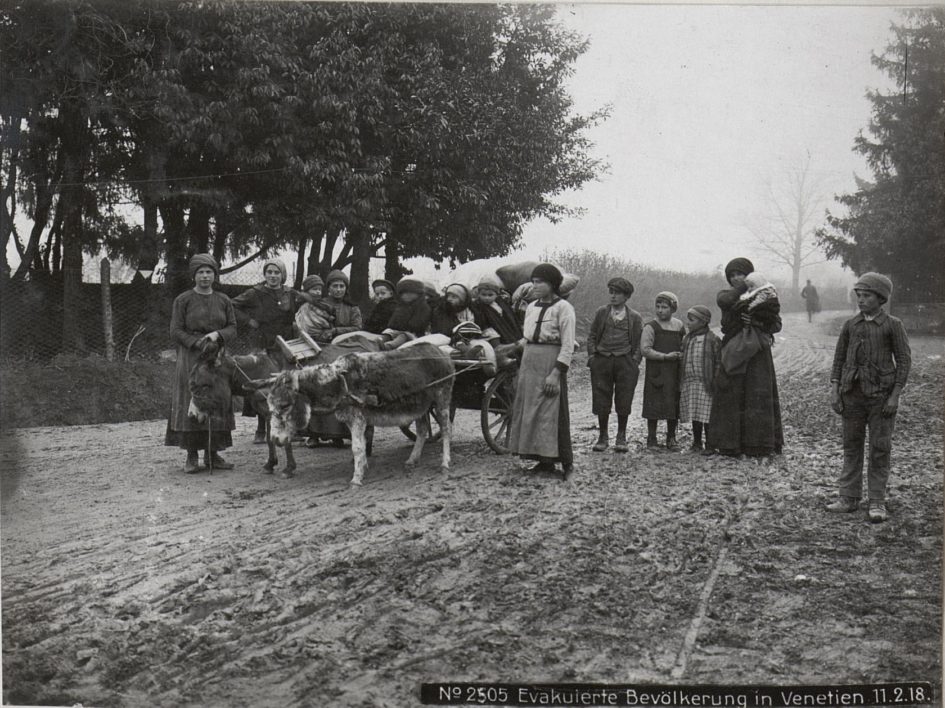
{"x": 368, "y": 389}
{"x": 217, "y": 375}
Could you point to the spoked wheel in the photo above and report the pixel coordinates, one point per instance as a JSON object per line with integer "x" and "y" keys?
{"x": 410, "y": 434}
{"x": 497, "y": 412}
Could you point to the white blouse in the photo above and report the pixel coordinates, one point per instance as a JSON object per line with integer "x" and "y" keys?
{"x": 558, "y": 326}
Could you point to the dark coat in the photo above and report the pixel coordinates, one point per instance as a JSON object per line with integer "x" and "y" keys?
{"x": 380, "y": 316}
{"x": 413, "y": 317}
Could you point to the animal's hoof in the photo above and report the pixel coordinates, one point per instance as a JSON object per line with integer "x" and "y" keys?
{"x": 444, "y": 468}
{"x": 354, "y": 486}
{"x": 267, "y": 470}
{"x": 409, "y": 464}
{"x": 287, "y": 474}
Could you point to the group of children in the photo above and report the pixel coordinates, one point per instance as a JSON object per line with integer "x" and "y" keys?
{"x": 411, "y": 309}
{"x": 681, "y": 362}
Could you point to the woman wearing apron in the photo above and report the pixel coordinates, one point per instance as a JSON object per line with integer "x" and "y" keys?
{"x": 541, "y": 425}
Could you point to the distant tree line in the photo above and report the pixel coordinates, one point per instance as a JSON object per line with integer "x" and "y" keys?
{"x": 895, "y": 222}
{"x": 343, "y": 131}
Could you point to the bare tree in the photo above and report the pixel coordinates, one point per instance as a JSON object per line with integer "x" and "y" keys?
{"x": 794, "y": 208}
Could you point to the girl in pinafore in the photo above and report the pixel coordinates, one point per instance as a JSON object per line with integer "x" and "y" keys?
{"x": 701, "y": 354}
{"x": 199, "y": 315}
{"x": 661, "y": 344}
{"x": 541, "y": 424}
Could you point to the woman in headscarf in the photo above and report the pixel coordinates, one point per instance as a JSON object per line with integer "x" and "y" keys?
{"x": 746, "y": 412}
{"x": 199, "y": 316}
{"x": 347, "y": 314}
{"x": 451, "y": 309}
{"x": 541, "y": 423}
{"x": 268, "y": 309}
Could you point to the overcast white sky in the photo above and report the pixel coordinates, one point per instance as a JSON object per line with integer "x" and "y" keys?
{"x": 708, "y": 103}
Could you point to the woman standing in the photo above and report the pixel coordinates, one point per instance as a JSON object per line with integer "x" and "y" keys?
{"x": 268, "y": 308}
{"x": 746, "y": 412}
{"x": 347, "y": 315}
{"x": 541, "y": 423}
{"x": 199, "y": 316}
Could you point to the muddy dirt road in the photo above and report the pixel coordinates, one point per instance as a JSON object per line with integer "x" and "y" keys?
{"x": 127, "y": 583}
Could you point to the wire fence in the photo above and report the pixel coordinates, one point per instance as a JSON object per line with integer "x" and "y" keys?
{"x": 134, "y": 324}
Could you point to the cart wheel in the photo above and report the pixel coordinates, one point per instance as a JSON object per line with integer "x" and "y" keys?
{"x": 497, "y": 412}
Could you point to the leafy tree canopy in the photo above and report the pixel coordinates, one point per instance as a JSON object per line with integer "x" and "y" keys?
{"x": 895, "y": 222}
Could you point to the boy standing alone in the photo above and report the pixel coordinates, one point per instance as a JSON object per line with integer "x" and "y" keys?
{"x": 614, "y": 355}
{"x": 870, "y": 368}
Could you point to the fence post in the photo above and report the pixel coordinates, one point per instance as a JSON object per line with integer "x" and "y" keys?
{"x": 107, "y": 310}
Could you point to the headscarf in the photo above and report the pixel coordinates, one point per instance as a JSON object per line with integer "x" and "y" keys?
{"x": 199, "y": 261}
{"x": 490, "y": 282}
{"x": 550, "y": 274}
{"x": 385, "y": 283}
{"x": 876, "y": 283}
{"x": 278, "y": 264}
{"x": 409, "y": 285}
{"x": 700, "y": 312}
{"x": 742, "y": 265}
{"x": 669, "y": 298}
{"x": 311, "y": 281}
{"x": 459, "y": 290}
{"x": 621, "y": 285}
{"x": 336, "y": 276}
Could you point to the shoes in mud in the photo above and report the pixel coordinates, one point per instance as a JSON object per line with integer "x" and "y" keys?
{"x": 337, "y": 442}
{"x": 696, "y": 446}
{"x": 259, "y": 438}
{"x": 845, "y": 505}
{"x": 671, "y": 443}
{"x": 566, "y": 472}
{"x": 312, "y": 442}
{"x": 602, "y": 443}
{"x": 621, "y": 444}
{"x": 542, "y": 467}
{"x": 651, "y": 441}
{"x": 192, "y": 466}
{"x": 709, "y": 452}
{"x": 218, "y": 463}
{"x": 877, "y": 512}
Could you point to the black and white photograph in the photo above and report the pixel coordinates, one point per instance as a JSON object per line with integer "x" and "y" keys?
{"x": 378, "y": 355}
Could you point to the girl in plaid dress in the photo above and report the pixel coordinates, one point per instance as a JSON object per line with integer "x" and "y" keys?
{"x": 701, "y": 352}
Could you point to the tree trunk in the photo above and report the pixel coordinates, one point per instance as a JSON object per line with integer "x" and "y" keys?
{"x": 176, "y": 279}
{"x": 360, "y": 265}
{"x": 313, "y": 255}
{"x": 75, "y": 147}
{"x": 331, "y": 238}
{"x": 11, "y": 139}
{"x": 300, "y": 262}
{"x": 393, "y": 270}
{"x": 198, "y": 227}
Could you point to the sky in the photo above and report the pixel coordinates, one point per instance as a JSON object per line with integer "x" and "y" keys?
{"x": 709, "y": 105}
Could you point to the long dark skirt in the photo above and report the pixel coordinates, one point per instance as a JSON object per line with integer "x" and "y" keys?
{"x": 746, "y": 412}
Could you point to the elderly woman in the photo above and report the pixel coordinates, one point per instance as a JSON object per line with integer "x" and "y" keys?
{"x": 746, "y": 413}
{"x": 451, "y": 309}
{"x": 268, "y": 309}
{"x": 347, "y": 314}
{"x": 541, "y": 424}
{"x": 199, "y": 315}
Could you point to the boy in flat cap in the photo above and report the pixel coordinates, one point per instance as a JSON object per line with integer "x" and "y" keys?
{"x": 870, "y": 368}
{"x": 614, "y": 355}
